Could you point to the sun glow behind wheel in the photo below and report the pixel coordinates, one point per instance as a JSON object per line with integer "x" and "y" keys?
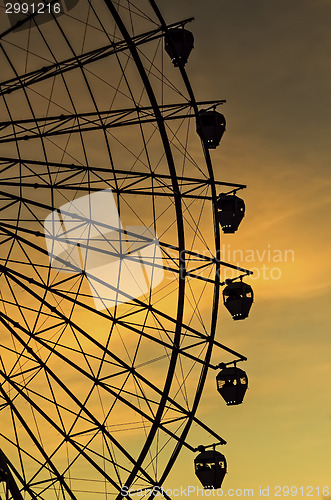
{"x": 95, "y": 398}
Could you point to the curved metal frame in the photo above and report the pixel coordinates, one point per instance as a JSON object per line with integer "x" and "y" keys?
{"x": 76, "y": 62}
{"x": 181, "y": 241}
{"x": 205, "y": 368}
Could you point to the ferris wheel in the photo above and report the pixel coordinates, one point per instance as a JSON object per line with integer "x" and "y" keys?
{"x": 110, "y": 265}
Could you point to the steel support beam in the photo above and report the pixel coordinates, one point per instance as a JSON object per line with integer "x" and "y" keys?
{"x": 60, "y": 67}
{"x": 27, "y": 129}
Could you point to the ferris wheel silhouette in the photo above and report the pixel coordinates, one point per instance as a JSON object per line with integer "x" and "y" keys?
{"x": 110, "y": 270}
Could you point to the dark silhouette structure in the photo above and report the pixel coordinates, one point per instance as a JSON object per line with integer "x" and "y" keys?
{"x": 211, "y": 127}
{"x": 238, "y": 299}
{"x": 7, "y": 478}
{"x": 154, "y": 181}
{"x": 232, "y": 383}
{"x": 210, "y": 468}
{"x": 178, "y": 43}
{"x": 231, "y": 211}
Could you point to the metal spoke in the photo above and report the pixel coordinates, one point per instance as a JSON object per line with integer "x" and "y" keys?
{"x": 70, "y": 364}
{"x": 61, "y": 67}
{"x": 28, "y": 129}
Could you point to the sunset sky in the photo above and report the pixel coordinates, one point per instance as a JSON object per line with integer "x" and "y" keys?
{"x": 271, "y": 62}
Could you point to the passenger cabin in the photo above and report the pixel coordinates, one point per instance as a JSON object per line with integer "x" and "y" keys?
{"x": 231, "y": 211}
{"x": 210, "y": 468}
{"x": 210, "y": 127}
{"x": 232, "y": 383}
{"x": 178, "y": 44}
{"x": 238, "y": 299}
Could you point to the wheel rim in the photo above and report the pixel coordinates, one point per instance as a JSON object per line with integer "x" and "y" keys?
{"x": 39, "y": 306}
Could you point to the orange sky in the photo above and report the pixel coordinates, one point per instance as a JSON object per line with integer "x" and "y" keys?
{"x": 270, "y": 61}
